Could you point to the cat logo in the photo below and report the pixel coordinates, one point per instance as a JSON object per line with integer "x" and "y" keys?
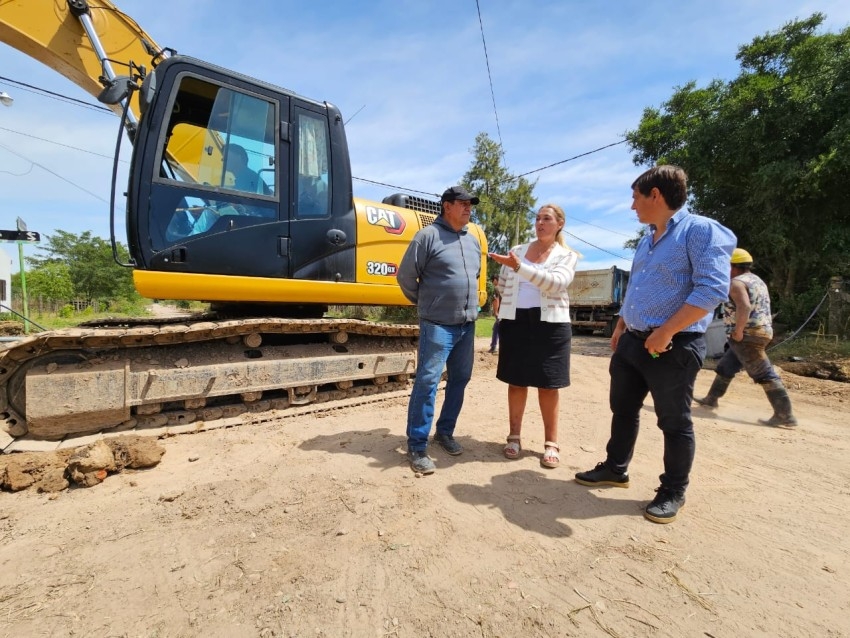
{"x": 392, "y": 222}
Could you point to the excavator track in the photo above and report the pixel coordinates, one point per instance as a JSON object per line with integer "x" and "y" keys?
{"x": 160, "y": 377}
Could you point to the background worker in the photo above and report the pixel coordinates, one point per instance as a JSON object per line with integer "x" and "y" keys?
{"x": 244, "y": 177}
{"x": 749, "y": 328}
{"x": 439, "y": 273}
{"x": 680, "y": 274}
{"x": 494, "y": 309}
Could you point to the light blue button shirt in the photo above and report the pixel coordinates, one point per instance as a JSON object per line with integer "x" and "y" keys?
{"x": 689, "y": 264}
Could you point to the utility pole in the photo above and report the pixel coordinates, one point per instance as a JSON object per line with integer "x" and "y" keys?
{"x": 24, "y": 300}
{"x": 22, "y": 228}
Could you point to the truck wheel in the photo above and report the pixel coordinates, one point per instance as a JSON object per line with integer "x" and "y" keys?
{"x": 608, "y": 330}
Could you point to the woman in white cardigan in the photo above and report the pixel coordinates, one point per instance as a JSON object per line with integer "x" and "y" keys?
{"x": 534, "y": 329}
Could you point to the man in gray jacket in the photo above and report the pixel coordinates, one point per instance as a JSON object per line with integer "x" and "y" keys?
{"x": 439, "y": 273}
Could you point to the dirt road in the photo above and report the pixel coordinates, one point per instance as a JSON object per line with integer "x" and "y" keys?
{"x": 315, "y": 526}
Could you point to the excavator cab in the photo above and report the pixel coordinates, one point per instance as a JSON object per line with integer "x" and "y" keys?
{"x": 235, "y": 177}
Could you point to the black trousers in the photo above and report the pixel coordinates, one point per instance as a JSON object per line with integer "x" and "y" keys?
{"x": 670, "y": 380}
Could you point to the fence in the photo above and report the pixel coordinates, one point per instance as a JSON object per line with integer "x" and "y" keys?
{"x": 41, "y": 306}
{"x": 838, "y": 322}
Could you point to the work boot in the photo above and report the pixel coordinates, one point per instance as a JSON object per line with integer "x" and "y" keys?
{"x": 420, "y": 462}
{"x": 781, "y": 402}
{"x": 718, "y": 389}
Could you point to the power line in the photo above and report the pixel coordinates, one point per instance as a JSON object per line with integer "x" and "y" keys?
{"x": 584, "y": 241}
{"x": 578, "y": 219}
{"x": 394, "y": 187}
{"x": 55, "y": 174}
{"x": 75, "y": 148}
{"x": 56, "y": 96}
{"x": 570, "y": 159}
{"x": 490, "y": 77}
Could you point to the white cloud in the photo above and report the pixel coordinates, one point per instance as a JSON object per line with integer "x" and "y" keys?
{"x": 567, "y": 78}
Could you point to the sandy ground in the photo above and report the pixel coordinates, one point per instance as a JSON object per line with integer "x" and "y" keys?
{"x": 315, "y": 526}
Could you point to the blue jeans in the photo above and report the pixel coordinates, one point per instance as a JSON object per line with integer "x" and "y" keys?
{"x": 452, "y": 347}
{"x": 494, "y": 339}
{"x": 670, "y": 379}
{"x": 748, "y": 354}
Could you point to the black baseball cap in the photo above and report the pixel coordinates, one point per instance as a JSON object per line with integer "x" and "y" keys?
{"x": 458, "y": 194}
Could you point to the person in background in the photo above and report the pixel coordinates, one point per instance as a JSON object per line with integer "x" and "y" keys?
{"x": 439, "y": 273}
{"x": 749, "y": 327}
{"x": 680, "y": 274}
{"x": 494, "y": 308}
{"x": 535, "y": 328}
{"x": 244, "y": 178}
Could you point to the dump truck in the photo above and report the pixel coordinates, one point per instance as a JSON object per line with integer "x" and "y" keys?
{"x": 595, "y": 299}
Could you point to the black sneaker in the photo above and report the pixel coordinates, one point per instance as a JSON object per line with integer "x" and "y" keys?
{"x": 602, "y": 475}
{"x": 420, "y": 462}
{"x": 448, "y": 443}
{"x": 665, "y": 505}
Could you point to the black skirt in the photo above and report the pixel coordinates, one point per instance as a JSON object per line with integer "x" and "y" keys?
{"x": 534, "y": 353}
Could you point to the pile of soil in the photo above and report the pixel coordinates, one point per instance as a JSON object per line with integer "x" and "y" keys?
{"x": 831, "y": 369}
{"x": 11, "y": 328}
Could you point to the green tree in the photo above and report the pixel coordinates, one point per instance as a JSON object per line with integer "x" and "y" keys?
{"x": 506, "y": 202}
{"x": 768, "y": 152}
{"x": 89, "y": 264}
{"x": 51, "y": 281}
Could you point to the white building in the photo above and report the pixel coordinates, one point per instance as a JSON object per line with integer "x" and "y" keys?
{"x": 5, "y": 279}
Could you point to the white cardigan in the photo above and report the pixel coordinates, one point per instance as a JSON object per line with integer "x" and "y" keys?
{"x": 552, "y": 277}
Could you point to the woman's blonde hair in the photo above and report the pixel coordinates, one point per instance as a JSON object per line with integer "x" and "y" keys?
{"x": 561, "y": 217}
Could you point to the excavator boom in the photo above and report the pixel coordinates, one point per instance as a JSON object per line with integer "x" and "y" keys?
{"x": 60, "y": 34}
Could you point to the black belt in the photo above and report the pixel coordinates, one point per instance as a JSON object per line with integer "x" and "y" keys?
{"x": 643, "y": 335}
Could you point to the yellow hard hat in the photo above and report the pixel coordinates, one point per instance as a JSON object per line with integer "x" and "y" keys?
{"x": 741, "y": 256}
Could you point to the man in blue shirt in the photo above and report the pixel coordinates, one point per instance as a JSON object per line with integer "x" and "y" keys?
{"x": 680, "y": 274}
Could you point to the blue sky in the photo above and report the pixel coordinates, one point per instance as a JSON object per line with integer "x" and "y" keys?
{"x": 411, "y": 79}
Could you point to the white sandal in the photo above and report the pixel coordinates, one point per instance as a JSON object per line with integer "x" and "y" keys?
{"x": 551, "y": 456}
{"x": 513, "y": 448}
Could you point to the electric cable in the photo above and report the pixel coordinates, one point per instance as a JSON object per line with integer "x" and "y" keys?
{"x": 797, "y": 331}
{"x": 74, "y": 148}
{"x": 490, "y": 78}
{"x": 56, "y": 96}
{"x": 54, "y": 173}
{"x": 584, "y": 241}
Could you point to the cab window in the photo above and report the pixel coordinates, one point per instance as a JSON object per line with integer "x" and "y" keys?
{"x": 313, "y": 188}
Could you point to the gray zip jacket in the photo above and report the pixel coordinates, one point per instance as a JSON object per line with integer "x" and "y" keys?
{"x": 439, "y": 273}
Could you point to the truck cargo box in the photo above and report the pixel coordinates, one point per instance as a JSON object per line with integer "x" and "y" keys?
{"x": 596, "y": 297}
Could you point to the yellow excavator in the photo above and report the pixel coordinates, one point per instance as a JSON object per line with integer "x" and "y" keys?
{"x": 240, "y": 195}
